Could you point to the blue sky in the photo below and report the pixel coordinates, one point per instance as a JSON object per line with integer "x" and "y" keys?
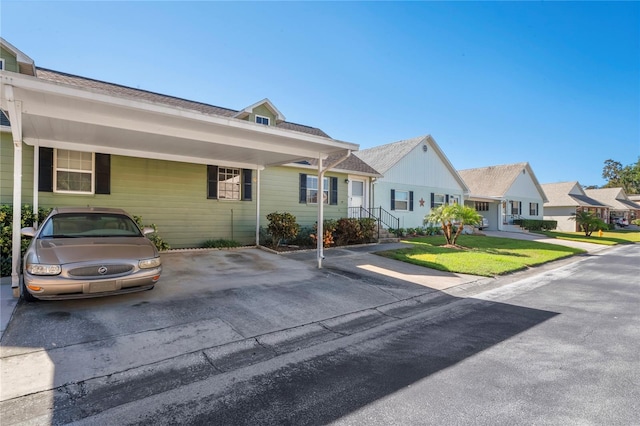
{"x": 553, "y": 83}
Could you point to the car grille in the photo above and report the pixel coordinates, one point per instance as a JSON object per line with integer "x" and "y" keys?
{"x": 94, "y": 271}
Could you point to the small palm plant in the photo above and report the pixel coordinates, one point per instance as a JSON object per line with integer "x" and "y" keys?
{"x": 588, "y": 222}
{"x": 453, "y": 218}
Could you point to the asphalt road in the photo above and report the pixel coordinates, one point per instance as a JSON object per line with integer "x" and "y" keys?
{"x": 556, "y": 348}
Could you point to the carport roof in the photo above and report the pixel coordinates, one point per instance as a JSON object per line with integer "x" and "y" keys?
{"x": 61, "y": 110}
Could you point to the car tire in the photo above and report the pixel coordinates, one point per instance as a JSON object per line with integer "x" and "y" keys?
{"x": 24, "y": 293}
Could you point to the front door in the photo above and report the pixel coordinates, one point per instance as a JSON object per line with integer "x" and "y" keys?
{"x": 357, "y": 193}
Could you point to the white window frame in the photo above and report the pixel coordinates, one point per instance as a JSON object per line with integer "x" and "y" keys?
{"x": 530, "y": 210}
{"x": 57, "y": 169}
{"x": 437, "y": 203}
{"x": 229, "y": 183}
{"x": 312, "y": 189}
{"x": 399, "y": 201}
{"x": 266, "y": 121}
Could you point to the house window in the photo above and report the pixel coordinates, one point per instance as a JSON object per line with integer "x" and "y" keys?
{"x": 438, "y": 200}
{"x": 73, "y": 171}
{"x": 533, "y": 209}
{"x": 228, "y": 183}
{"x": 402, "y": 200}
{"x": 482, "y": 206}
{"x": 262, "y": 120}
{"x": 312, "y": 190}
{"x": 515, "y": 207}
{"x": 1, "y": 64}
{"x": 453, "y": 199}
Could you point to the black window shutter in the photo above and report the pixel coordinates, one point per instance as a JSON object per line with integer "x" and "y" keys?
{"x": 333, "y": 195}
{"x": 446, "y": 199}
{"x": 45, "y": 170}
{"x": 246, "y": 184}
{"x": 212, "y": 182}
{"x": 103, "y": 173}
{"x": 410, "y": 201}
{"x": 433, "y": 200}
{"x": 303, "y": 188}
{"x": 393, "y": 199}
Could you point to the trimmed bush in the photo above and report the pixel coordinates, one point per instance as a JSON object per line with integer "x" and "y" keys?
{"x": 6, "y": 227}
{"x": 154, "y": 237}
{"x": 537, "y": 224}
{"x": 282, "y": 227}
{"x": 220, "y": 243}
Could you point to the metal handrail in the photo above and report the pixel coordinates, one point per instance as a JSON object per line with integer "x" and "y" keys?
{"x": 379, "y": 214}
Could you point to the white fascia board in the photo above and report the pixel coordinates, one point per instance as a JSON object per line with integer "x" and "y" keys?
{"x": 137, "y": 153}
{"x": 346, "y": 171}
{"x": 42, "y": 86}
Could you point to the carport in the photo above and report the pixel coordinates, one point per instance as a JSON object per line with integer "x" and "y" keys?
{"x": 55, "y": 115}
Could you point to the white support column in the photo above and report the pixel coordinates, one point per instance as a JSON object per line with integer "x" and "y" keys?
{"x": 258, "y": 206}
{"x": 320, "y": 233}
{"x": 15, "y": 118}
{"x": 36, "y": 179}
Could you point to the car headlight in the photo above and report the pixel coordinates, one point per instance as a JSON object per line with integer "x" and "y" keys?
{"x": 40, "y": 269}
{"x": 149, "y": 263}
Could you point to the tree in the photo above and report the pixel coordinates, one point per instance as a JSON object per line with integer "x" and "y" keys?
{"x": 452, "y": 219}
{"x": 627, "y": 177}
{"x": 588, "y": 222}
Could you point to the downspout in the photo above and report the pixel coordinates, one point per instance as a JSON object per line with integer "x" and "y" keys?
{"x": 15, "y": 119}
{"x": 321, "y": 172}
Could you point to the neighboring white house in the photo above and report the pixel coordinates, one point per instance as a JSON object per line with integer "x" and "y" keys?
{"x": 565, "y": 199}
{"x": 418, "y": 176}
{"x": 505, "y": 193}
{"x": 620, "y": 204}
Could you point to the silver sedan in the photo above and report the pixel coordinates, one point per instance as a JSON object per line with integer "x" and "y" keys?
{"x": 88, "y": 252}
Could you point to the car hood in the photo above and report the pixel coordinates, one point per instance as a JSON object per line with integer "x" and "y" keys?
{"x": 69, "y": 250}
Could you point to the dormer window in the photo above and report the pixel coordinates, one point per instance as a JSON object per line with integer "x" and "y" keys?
{"x": 262, "y": 120}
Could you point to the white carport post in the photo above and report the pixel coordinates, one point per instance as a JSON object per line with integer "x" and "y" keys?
{"x": 14, "y": 108}
{"x": 258, "y": 206}
{"x": 320, "y": 233}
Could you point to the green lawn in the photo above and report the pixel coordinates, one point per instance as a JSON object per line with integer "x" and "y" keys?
{"x": 609, "y": 238}
{"x": 485, "y": 256}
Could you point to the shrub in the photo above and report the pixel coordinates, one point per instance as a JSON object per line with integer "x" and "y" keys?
{"x": 537, "y": 224}
{"x": 220, "y": 243}
{"x": 282, "y": 226}
{"x": 328, "y": 227}
{"x": 348, "y": 231}
{"x": 635, "y": 222}
{"x": 368, "y": 228}
{"x": 160, "y": 244}
{"x": 6, "y": 227}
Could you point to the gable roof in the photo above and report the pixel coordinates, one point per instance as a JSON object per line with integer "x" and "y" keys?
{"x": 382, "y": 158}
{"x": 25, "y": 63}
{"x": 267, "y": 103}
{"x": 495, "y": 181}
{"x": 351, "y": 164}
{"x": 616, "y": 198}
{"x": 119, "y": 90}
{"x": 560, "y": 195}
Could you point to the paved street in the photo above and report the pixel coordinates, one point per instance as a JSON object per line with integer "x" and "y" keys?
{"x": 356, "y": 343}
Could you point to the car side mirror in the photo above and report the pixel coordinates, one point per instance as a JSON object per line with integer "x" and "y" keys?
{"x": 148, "y": 230}
{"x": 28, "y": 231}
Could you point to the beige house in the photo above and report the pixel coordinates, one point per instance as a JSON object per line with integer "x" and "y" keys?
{"x": 565, "y": 199}
{"x": 620, "y": 206}
{"x": 505, "y": 193}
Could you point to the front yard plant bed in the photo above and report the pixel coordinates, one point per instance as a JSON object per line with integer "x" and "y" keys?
{"x": 479, "y": 255}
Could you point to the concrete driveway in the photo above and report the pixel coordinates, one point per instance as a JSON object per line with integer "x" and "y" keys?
{"x": 244, "y": 301}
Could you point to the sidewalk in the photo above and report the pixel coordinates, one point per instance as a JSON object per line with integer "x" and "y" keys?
{"x": 7, "y": 303}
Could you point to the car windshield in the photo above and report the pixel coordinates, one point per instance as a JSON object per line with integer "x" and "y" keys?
{"x": 79, "y": 225}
